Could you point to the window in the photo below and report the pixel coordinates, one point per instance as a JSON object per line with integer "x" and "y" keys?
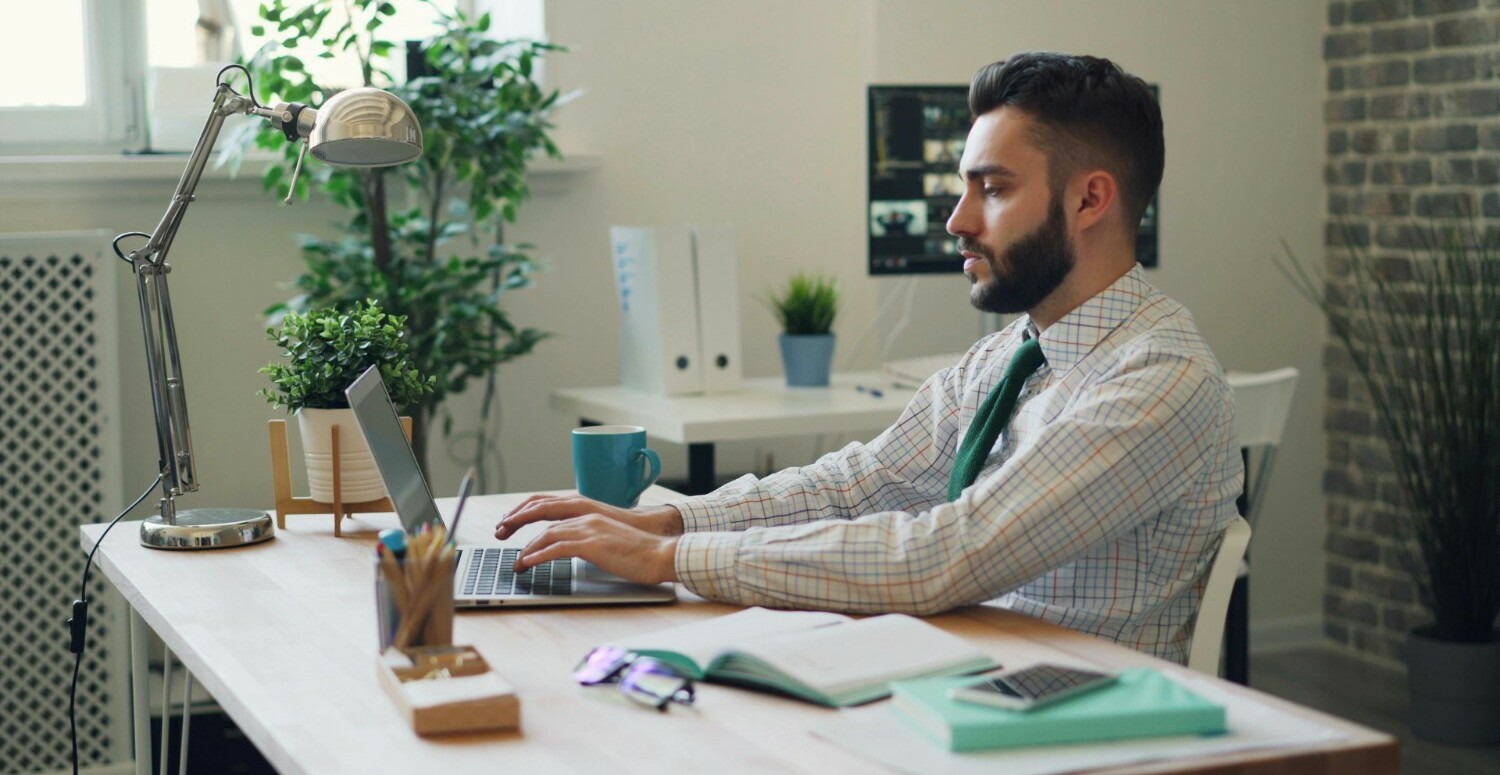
{"x": 88, "y": 63}
{"x": 67, "y": 84}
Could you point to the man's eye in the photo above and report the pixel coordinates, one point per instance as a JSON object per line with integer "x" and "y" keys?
{"x": 992, "y": 190}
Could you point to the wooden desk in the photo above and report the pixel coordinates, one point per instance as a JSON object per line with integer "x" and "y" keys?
{"x": 283, "y": 635}
{"x": 764, "y": 408}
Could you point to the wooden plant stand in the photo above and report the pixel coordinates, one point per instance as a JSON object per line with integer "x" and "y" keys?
{"x": 286, "y": 503}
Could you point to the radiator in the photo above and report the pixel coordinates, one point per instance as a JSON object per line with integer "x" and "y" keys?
{"x": 59, "y": 468}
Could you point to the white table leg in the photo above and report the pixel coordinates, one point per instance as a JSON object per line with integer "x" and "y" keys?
{"x": 166, "y": 706}
{"x": 187, "y": 717}
{"x": 140, "y": 695}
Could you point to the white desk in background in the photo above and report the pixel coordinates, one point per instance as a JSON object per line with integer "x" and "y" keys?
{"x": 282, "y": 634}
{"x": 765, "y": 408}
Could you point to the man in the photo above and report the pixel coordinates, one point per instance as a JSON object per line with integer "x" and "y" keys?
{"x": 1078, "y": 465}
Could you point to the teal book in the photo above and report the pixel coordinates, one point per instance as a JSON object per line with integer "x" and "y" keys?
{"x": 1142, "y": 703}
{"x": 825, "y": 658}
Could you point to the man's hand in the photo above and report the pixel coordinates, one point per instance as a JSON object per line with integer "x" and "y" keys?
{"x": 625, "y": 551}
{"x": 659, "y": 520}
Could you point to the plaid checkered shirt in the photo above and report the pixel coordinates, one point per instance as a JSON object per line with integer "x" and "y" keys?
{"x": 1100, "y": 507}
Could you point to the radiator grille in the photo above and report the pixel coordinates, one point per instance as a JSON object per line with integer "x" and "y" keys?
{"x": 59, "y": 463}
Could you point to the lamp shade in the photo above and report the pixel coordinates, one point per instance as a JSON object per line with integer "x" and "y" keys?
{"x": 365, "y": 127}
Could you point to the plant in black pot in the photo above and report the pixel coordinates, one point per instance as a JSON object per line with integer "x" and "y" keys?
{"x": 326, "y": 350}
{"x": 1424, "y": 336}
{"x": 806, "y": 308}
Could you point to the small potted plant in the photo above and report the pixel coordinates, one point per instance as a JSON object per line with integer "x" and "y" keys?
{"x": 806, "y": 308}
{"x": 325, "y": 350}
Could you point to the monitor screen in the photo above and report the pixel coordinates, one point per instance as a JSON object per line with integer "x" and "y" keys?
{"x": 916, "y": 138}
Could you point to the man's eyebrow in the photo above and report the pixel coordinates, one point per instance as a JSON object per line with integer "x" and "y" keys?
{"x": 987, "y": 170}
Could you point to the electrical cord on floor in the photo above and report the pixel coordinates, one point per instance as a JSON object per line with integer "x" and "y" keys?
{"x": 78, "y": 624}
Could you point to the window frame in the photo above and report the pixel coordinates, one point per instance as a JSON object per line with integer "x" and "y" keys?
{"x": 111, "y": 117}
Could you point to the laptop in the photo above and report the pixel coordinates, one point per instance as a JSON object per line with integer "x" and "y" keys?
{"x": 483, "y": 576}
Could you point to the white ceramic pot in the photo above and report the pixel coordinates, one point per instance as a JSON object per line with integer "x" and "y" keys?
{"x": 358, "y": 478}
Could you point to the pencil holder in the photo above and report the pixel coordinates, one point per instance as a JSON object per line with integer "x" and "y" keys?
{"x": 436, "y": 629}
{"x": 414, "y": 594}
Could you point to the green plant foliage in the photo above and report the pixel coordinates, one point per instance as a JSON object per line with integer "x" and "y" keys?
{"x": 442, "y": 265}
{"x": 1424, "y": 336}
{"x": 326, "y": 350}
{"x": 806, "y": 306}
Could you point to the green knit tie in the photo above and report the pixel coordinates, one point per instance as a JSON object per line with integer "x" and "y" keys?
{"x": 994, "y": 414}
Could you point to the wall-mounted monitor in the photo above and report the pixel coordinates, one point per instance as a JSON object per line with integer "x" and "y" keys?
{"x": 917, "y": 136}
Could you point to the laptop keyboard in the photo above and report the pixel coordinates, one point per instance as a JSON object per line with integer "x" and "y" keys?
{"x": 491, "y": 573}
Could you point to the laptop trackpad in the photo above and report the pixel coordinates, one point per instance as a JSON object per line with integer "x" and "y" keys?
{"x": 589, "y": 578}
{"x": 587, "y": 573}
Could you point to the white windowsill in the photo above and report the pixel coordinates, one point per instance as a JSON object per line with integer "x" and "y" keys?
{"x": 95, "y": 169}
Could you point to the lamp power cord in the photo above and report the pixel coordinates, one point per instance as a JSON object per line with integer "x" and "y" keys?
{"x": 78, "y": 624}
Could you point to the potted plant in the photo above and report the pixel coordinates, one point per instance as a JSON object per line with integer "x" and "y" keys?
{"x": 438, "y": 260}
{"x": 806, "y": 307}
{"x": 1424, "y": 336}
{"x": 325, "y": 350}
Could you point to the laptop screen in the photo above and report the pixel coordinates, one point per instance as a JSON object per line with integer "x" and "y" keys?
{"x": 393, "y": 456}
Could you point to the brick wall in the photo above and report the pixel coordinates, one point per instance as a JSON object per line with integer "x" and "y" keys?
{"x": 1413, "y": 133}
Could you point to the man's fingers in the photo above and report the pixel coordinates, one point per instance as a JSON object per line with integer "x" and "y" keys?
{"x": 533, "y": 510}
{"x": 535, "y": 555}
{"x": 553, "y": 507}
{"x": 523, "y": 505}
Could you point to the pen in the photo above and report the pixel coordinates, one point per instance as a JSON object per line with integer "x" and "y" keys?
{"x": 393, "y": 577}
{"x": 463, "y": 497}
{"x": 874, "y": 392}
{"x": 394, "y": 539}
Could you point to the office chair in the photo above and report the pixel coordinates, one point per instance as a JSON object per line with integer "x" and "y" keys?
{"x": 1208, "y": 626}
{"x": 1261, "y": 405}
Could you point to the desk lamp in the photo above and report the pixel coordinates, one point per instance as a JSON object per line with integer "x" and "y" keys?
{"x": 355, "y": 128}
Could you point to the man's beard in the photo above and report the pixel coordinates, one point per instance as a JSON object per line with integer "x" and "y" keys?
{"x": 1030, "y": 270}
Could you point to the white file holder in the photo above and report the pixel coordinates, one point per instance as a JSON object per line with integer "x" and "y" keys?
{"x": 679, "y": 308}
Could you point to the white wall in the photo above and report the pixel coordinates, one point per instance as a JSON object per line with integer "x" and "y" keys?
{"x": 753, "y": 113}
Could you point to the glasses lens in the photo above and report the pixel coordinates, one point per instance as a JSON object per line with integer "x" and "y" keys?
{"x": 655, "y": 684}
{"x": 601, "y": 665}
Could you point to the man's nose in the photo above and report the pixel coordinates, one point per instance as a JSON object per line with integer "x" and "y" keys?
{"x": 962, "y": 223}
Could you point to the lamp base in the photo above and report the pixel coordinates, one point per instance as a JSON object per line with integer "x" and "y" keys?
{"x": 208, "y": 529}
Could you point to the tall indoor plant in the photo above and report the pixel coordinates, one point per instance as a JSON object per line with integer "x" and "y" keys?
{"x": 1424, "y": 335}
{"x": 442, "y": 262}
{"x": 806, "y": 307}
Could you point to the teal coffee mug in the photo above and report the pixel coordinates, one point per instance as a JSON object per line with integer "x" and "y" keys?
{"x": 612, "y": 464}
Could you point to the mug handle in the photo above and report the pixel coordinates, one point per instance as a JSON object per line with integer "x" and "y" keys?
{"x": 654, "y": 463}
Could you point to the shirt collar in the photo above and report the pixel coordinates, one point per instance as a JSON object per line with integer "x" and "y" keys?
{"x": 1065, "y": 342}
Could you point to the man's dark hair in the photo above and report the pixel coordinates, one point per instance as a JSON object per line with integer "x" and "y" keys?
{"x": 1089, "y": 114}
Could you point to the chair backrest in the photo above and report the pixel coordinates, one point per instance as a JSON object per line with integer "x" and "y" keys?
{"x": 1261, "y": 405}
{"x": 1208, "y": 626}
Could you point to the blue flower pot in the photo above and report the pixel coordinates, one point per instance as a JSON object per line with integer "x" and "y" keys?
{"x": 808, "y": 359}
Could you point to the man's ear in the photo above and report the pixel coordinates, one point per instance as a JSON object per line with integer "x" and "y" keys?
{"x": 1095, "y": 194}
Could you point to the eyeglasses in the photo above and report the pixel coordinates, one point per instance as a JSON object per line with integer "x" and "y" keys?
{"x": 648, "y": 681}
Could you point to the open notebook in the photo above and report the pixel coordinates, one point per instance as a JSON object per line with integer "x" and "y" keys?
{"x": 826, "y": 658}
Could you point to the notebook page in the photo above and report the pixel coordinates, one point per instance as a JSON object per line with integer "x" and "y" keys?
{"x": 703, "y": 640}
{"x": 835, "y": 660}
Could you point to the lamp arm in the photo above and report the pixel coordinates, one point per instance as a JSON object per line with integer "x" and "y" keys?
{"x": 174, "y": 438}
